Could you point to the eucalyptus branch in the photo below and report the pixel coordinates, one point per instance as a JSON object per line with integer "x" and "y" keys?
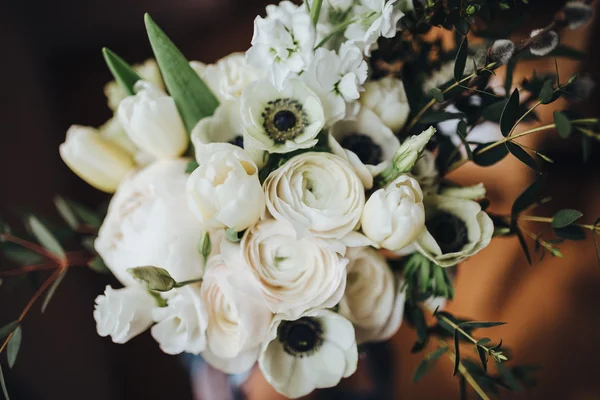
{"x": 548, "y": 246}
{"x": 531, "y": 218}
{"x": 7, "y": 237}
{"x": 536, "y": 105}
{"x": 75, "y": 259}
{"x": 464, "y": 372}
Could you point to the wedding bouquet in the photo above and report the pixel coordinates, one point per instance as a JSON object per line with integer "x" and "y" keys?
{"x": 289, "y": 205}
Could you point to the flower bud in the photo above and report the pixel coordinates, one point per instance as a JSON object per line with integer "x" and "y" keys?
{"x": 155, "y": 278}
{"x": 578, "y": 14}
{"x": 544, "y": 43}
{"x": 94, "y": 159}
{"x": 501, "y": 52}
{"x": 410, "y": 151}
{"x": 152, "y": 122}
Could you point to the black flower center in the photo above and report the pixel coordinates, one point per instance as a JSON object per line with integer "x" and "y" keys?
{"x": 449, "y": 231}
{"x": 302, "y": 337}
{"x": 364, "y": 147}
{"x": 238, "y": 141}
{"x": 284, "y": 119}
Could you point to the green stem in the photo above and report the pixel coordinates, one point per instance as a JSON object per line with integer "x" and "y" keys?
{"x": 336, "y": 31}
{"x": 465, "y": 334}
{"x": 315, "y": 10}
{"x": 532, "y": 218}
{"x": 190, "y": 282}
{"x": 536, "y": 105}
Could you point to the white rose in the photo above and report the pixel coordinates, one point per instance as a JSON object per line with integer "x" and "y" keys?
{"x": 373, "y": 301}
{"x": 294, "y": 274}
{"x": 224, "y": 191}
{"x": 149, "y": 223}
{"x": 318, "y": 193}
{"x": 387, "y": 98}
{"x": 152, "y": 121}
{"x": 181, "y": 325}
{"x": 148, "y": 71}
{"x": 94, "y": 159}
{"x": 124, "y": 313}
{"x": 394, "y": 217}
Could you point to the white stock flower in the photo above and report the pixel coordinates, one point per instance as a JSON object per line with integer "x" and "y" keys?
{"x": 149, "y": 223}
{"x": 148, "y": 71}
{"x": 456, "y": 229}
{"x": 373, "y": 301}
{"x": 394, "y": 217}
{"x": 386, "y": 98}
{"x": 123, "y": 313}
{"x": 318, "y": 194}
{"x": 152, "y": 121}
{"x": 426, "y": 173}
{"x": 315, "y": 351}
{"x": 94, "y": 159}
{"x": 181, "y": 325}
{"x": 377, "y": 18}
{"x": 283, "y": 42}
{"x": 295, "y": 274}
{"x": 281, "y": 121}
{"x": 224, "y": 191}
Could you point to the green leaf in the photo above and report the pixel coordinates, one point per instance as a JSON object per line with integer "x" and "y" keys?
{"x": 484, "y": 341}
{"x": 461, "y": 60}
{"x": 462, "y": 134}
{"x": 45, "y": 237}
{"x": 571, "y": 232}
{"x": 489, "y": 157}
{"x": 523, "y": 244}
{"x": 493, "y": 112}
{"x": 482, "y": 357}
{"x": 22, "y": 256}
{"x": 437, "y": 94}
{"x": 522, "y": 155}
{"x": 456, "y": 351}
{"x": 85, "y": 214}
{"x": 66, "y": 212}
{"x": 480, "y": 324}
{"x": 3, "y": 384}
{"x": 121, "y": 70}
{"x": 12, "y": 349}
{"x": 425, "y": 364}
{"x": 510, "y": 69}
{"x": 528, "y": 196}
{"x": 191, "y": 166}
{"x": 97, "y": 265}
{"x": 8, "y": 329}
{"x": 52, "y": 289}
{"x": 315, "y": 10}
{"x": 565, "y": 217}
{"x": 192, "y": 96}
{"x": 510, "y": 114}
{"x": 547, "y": 92}
{"x": 563, "y": 124}
{"x": 433, "y": 117}
{"x": 156, "y": 278}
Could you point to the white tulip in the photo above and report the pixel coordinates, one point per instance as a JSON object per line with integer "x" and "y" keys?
{"x": 152, "y": 121}
{"x": 373, "y": 301}
{"x": 394, "y": 217}
{"x": 386, "y": 98}
{"x": 181, "y": 325}
{"x": 94, "y": 159}
{"x": 148, "y": 71}
{"x": 315, "y": 351}
{"x": 114, "y": 132}
{"x": 149, "y": 223}
{"x": 294, "y": 274}
{"x": 224, "y": 191}
{"x": 124, "y": 313}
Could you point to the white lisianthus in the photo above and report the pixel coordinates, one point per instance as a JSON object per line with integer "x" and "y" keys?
{"x": 283, "y": 42}
{"x": 394, "y": 217}
{"x": 229, "y": 76}
{"x": 377, "y": 18}
{"x": 373, "y": 301}
{"x": 456, "y": 229}
{"x": 152, "y": 121}
{"x": 148, "y": 71}
{"x": 94, "y": 159}
{"x": 281, "y": 121}
{"x": 386, "y": 98}
{"x": 426, "y": 173}
{"x": 124, "y": 313}
{"x": 224, "y": 191}
{"x": 181, "y": 325}
{"x": 318, "y": 194}
{"x": 315, "y": 351}
{"x": 149, "y": 223}
{"x": 294, "y": 274}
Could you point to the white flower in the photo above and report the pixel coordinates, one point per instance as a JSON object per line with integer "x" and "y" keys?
{"x": 367, "y": 144}
{"x": 337, "y": 79}
{"x": 94, "y": 159}
{"x": 281, "y": 121}
{"x": 456, "y": 229}
{"x": 149, "y": 223}
{"x": 283, "y": 42}
{"x": 124, "y": 313}
{"x": 224, "y": 191}
{"x": 228, "y": 77}
{"x": 386, "y": 98}
{"x": 394, "y": 217}
{"x": 426, "y": 173}
{"x": 181, "y": 325}
{"x": 148, "y": 71}
{"x": 294, "y": 274}
{"x": 333, "y": 14}
{"x": 373, "y": 301}
{"x": 152, "y": 121}
{"x": 475, "y": 192}
{"x": 318, "y": 194}
{"x": 114, "y": 132}
{"x": 315, "y": 351}
{"x": 377, "y": 18}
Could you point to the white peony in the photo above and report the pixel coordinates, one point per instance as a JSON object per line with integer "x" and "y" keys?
{"x": 294, "y": 274}
{"x": 386, "y": 98}
{"x": 149, "y": 223}
{"x": 124, "y": 313}
{"x": 377, "y": 18}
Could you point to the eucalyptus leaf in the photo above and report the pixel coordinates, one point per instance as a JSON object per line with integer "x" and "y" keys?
{"x": 493, "y": 112}
{"x": 571, "y": 232}
{"x": 480, "y": 324}
{"x": 462, "y": 134}
{"x": 52, "y": 289}
{"x": 22, "y": 256}
{"x": 528, "y": 196}
{"x": 482, "y": 357}
{"x": 437, "y": 94}
{"x": 484, "y": 341}
{"x": 8, "y": 329}
{"x": 3, "y": 384}
{"x": 489, "y": 157}
{"x": 510, "y": 114}
{"x": 426, "y": 363}
{"x": 564, "y": 127}
{"x": 547, "y": 92}
{"x": 522, "y": 155}
{"x": 66, "y": 212}
{"x": 12, "y": 349}
{"x": 97, "y": 265}
{"x": 566, "y": 217}
{"x": 85, "y": 214}
{"x": 45, "y": 237}
{"x": 123, "y": 73}
{"x": 461, "y": 60}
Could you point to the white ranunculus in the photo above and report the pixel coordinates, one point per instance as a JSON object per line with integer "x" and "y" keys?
{"x": 224, "y": 191}
{"x": 94, "y": 159}
{"x": 181, "y": 325}
{"x": 377, "y": 18}
{"x": 386, "y": 98}
{"x": 124, "y": 313}
{"x": 318, "y": 194}
{"x": 149, "y": 223}
{"x": 456, "y": 229}
{"x": 394, "y": 217}
{"x": 152, "y": 121}
{"x": 315, "y": 351}
{"x": 426, "y": 173}
{"x": 373, "y": 301}
{"x": 281, "y": 121}
{"x": 148, "y": 71}
{"x": 294, "y": 274}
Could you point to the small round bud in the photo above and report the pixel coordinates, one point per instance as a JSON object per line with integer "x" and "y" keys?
{"x": 501, "y": 51}
{"x": 544, "y": 43}
{"x": 578, "y": 14}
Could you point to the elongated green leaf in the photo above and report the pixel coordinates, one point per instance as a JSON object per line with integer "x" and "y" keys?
{"x": 8, "y": 329}
{"x": 66, "y": 213}
{"x": 523, "y": 244}
{"x": 98, "y": 265}
{"x": 547, "y": 92}
{"x": 480, "y": 324}
{"x": 426, "y": 363}
{"x": 315, "y": 11}
{"x": 461, "y": 59}
{"x": 85, "y": 214}
{"x": 528, "y": 197}
{"x": 489, "y": 157}
{"x": 522, "y": 155}
{"x": 12, "y": 349}
{"x": 45, "y": 237}
{"x": 3, "y": 384}
{"x": 565, "y": 217}
{"x": 21, "y": 255}
{"x": 52, "y": 289}
{"x": 570, "y": 232}
{"x": 482, "y": 357}
{"x": 510, "y": 114}
{"x": 437, "y": 94}
{"x": 456, "y": 352}
{"x": 192, "y": 96}
{"x": 462, "y": 134}
{"x": 563, "y": 124}
{"x": 124, "y": 73}
{"x": 493, "y": 112}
